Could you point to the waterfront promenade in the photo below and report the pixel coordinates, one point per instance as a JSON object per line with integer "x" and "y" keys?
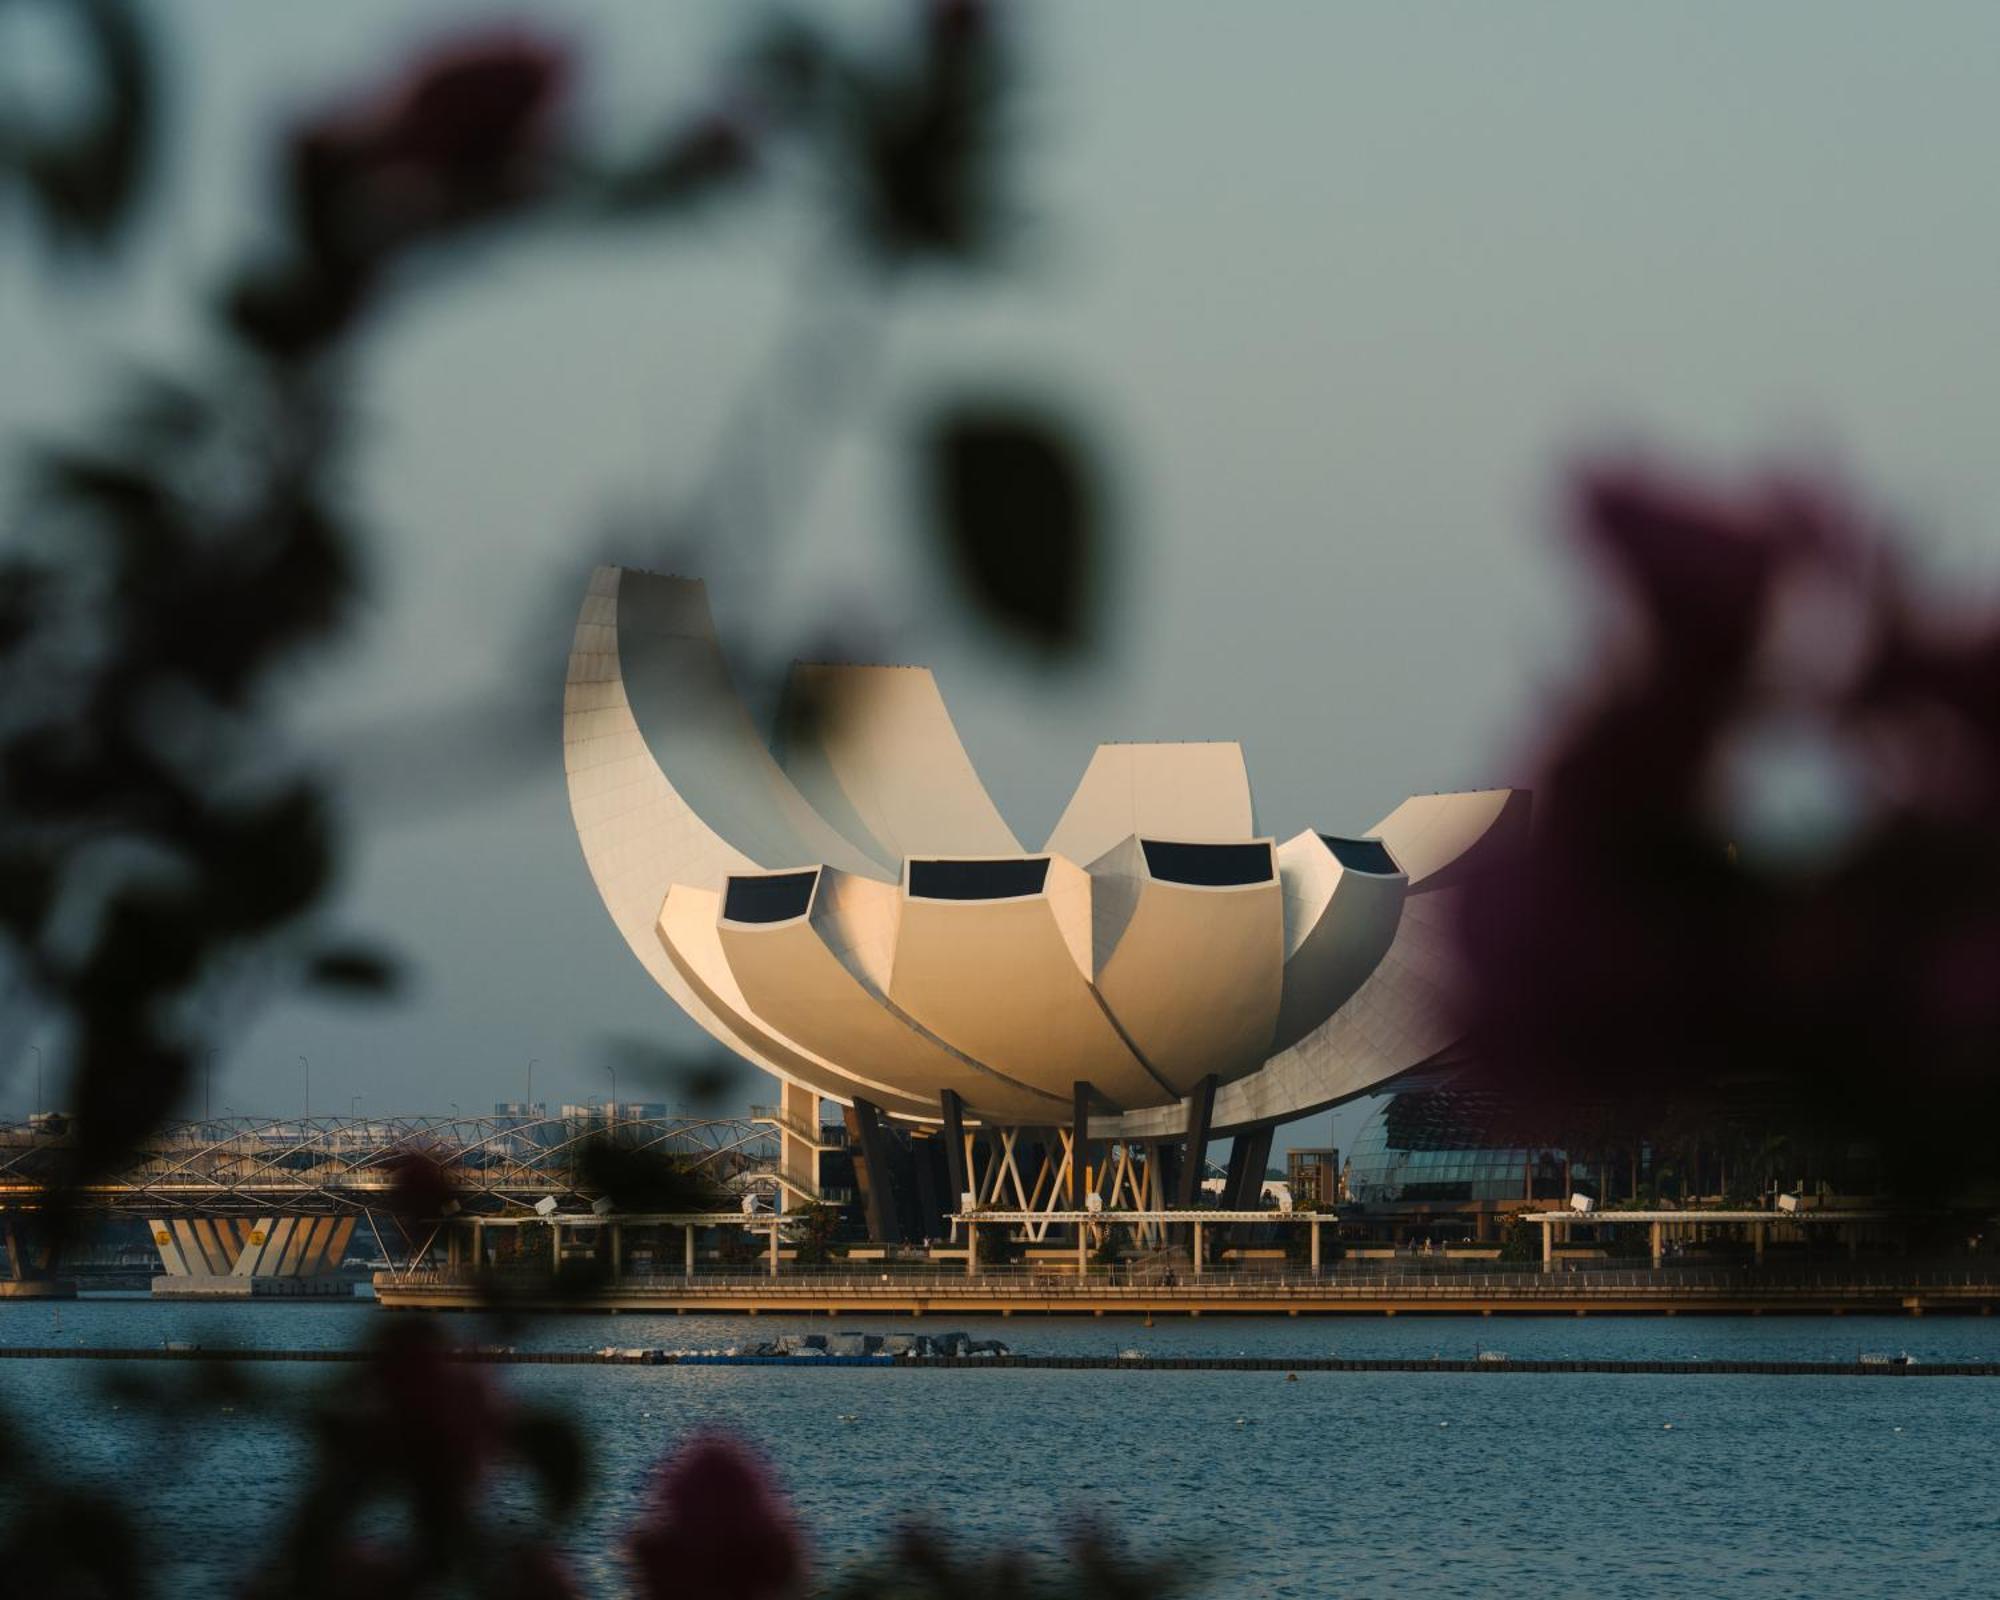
{"x": 1007, "y": 1292}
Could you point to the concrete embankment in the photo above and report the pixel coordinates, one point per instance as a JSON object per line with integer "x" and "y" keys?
{"x": 1888, "y": 1368}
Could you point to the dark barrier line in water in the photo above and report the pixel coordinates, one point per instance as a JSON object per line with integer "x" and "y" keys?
{"x": 1885, "y": 1367}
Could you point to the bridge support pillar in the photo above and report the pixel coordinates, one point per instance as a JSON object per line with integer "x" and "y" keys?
{"x": 1659, "y": 1230}
{"x": 225, "y": 1258}
{"x": 688, "y": 1270}
{"x": 32, "y": 1262}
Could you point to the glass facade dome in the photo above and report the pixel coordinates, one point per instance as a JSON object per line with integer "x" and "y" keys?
{"x": 1434, "y": 1146}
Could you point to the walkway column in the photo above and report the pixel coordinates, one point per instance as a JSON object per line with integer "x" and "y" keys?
{"x": 1079, "y": 1143}
{"x": 1757, "y": 1242}
{"x": 555, "y": 1245}
{"x": 798, "y": 1155}
{"x": 971, "y": 1247}
{"x": 1082, "y": 1242}
{"x": 1659, "y": 1230}
{"x": 1315, "y": 1246}
{"x": 688, "y": 1270}
{"x": 478, "y": 1246}
{"x": 617, "y": 1252}
{"x": 1548, "y": 1246}
{"x": 1197, "y": 1249}
{"x": 774, "y": 1249}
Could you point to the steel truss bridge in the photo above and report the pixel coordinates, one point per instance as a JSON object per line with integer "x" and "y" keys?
{"x": 348, "y": 1166}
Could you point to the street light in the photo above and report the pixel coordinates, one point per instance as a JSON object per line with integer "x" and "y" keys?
{"x": 38, "y": 1077}
{"x": 208, "y": 1084}
{"x": 529, "y": 1106}
{"x": 611, "y": 1111}
{"x": 309, "y": 1085}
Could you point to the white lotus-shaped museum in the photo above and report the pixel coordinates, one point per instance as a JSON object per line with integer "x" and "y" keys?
{"x": 856, "y": 917}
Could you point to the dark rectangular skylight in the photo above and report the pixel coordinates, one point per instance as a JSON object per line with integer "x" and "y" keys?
{"x": 777, "y": 898}
{"x": 1005, "y": 879}
{"x": 1212, "y": 866}
{"x": 1361, "y": 855}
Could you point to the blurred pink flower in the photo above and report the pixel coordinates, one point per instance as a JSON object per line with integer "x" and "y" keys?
{"x": 715, "y": 1527}
{"x": 464, "y": 130}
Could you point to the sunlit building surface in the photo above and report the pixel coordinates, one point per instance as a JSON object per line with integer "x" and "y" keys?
{"x": 852, "y": 914}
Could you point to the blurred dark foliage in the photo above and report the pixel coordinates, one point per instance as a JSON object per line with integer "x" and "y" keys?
{"x": 165, "y": 579}
{"x": 83, "y": 167}
{"x": 643, "y": 1178}
{"x": 1014, "y": 498}
{"x": 1652, "y": 961}
{"x": 59, "y": 1537}
{"x": 398, "y": 1501}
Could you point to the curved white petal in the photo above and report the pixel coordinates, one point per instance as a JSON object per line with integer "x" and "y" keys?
{"x": 1005, "y": 978}
{"x": 1342, "y": 907}
{"x": 1156, "y": 791}
{"x": 1190, "y": 941}
{"x": 647, "y": 689}
{"x": 687, "y": 931}
{"x": 1440, "y": 839}
{"x": 876, "y": 752}
{"x": 793, "y": 980}
{"x": 1402, "y": 1017}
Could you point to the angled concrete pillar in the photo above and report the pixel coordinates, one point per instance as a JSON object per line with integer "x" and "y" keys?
{"x": 1248, "y": 1156}
{"x": 1200, "y": 1118}
{"x": 873, "y": 1172}
{"x": 954, "y": 1145}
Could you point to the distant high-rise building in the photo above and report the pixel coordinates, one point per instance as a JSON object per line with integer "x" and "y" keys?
{"x": 1313, "y": 1176}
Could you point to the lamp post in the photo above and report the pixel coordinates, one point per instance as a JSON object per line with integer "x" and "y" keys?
{"x": 528, "y": 1106}
{"x": 307, "y": 1065}
{"x": 38, "y": 1077}
{"x": 611, "y": 1111}
{"x": 208, "y": 1084}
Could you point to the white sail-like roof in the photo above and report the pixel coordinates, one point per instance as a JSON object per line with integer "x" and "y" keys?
{"x": 791, "y": 978}
{"x": 861, "y": 921}
{"x": 1001, "y": 969}
{"x": 1155, "y": 791}
{"x": 875, "y": 750}
{"x": 1343, "y": 902}
{"x": 1190, "y": 944}
{"x": 689, "y": 930}
{"x": 1401, "y": 1018}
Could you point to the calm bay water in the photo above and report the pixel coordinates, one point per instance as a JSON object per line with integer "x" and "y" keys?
{"x": 1338, "y": 1484}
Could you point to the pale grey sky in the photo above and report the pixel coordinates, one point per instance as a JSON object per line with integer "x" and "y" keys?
{"x": 1340, "y": 288}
